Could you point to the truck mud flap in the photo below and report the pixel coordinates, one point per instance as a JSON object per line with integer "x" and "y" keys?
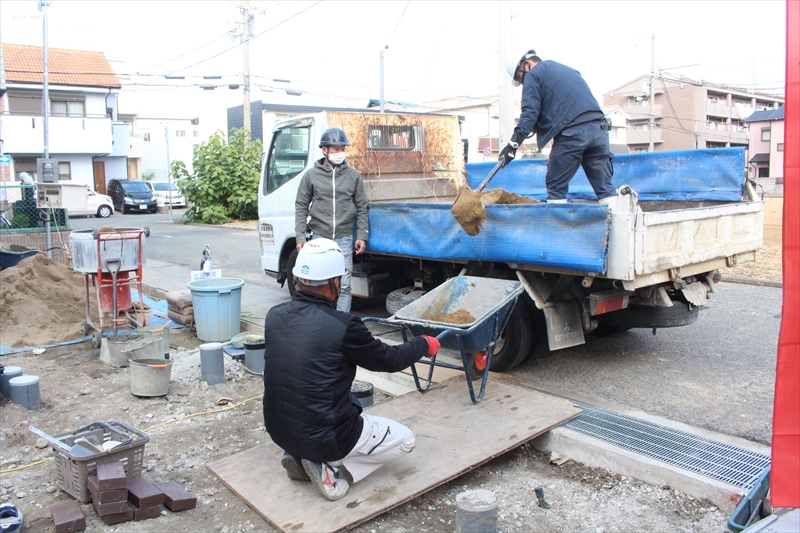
{"x": 562, "y": 319}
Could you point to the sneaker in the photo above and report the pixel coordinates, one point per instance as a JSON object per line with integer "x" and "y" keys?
{"x": 293, "y": 467}
{"x": 327, "y": 480}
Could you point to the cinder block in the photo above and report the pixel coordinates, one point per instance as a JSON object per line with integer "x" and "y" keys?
{"x": 68, "y": 517}
{"x": 111, "y": 476}
{"x": 143, "y": 494}
{"x": 104, "y": 509}
{"x": 105, "y": 496}
{"x": 176, "y": 498}
{"x": 147, "y": 512}
{"x": 118, "y": 518}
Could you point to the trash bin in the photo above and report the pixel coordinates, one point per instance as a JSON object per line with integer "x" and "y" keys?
{"x": 217, "y": 306}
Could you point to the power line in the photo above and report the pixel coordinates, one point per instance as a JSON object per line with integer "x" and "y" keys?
{"x": 187, "y": 53}
{"x": 398, "y": 24}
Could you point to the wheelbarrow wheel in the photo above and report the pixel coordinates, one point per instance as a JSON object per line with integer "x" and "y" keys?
{"x": 85, "y": 326}
{"x": 477, "y": 364}
{"x": 96, "y": 339}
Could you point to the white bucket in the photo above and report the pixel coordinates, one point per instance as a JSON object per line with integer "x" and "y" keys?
{"x": 150, "y": 377}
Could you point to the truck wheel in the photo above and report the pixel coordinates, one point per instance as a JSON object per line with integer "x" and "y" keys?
{"x": 400, "y": 298}
{"x": 648, "y": 316}
{"x": 289, "y": 267}
{"x": 515, "y": 341}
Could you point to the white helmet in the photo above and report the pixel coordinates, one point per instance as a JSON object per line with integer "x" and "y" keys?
{"x": 514, "y": 68}
{"x": 318, "y": 261}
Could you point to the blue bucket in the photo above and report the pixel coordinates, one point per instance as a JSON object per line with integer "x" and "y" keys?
{"x": 217, "y": 307}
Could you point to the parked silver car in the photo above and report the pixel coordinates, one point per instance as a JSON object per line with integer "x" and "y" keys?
{"x": 165, "y": 196}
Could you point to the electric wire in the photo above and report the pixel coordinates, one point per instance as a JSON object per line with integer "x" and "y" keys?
{"x": 187, "y": 53}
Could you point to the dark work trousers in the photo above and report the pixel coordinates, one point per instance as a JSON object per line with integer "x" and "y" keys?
{"x": 583, "y": 145}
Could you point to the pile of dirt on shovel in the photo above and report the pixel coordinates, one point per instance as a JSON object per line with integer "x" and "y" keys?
{"x": 43, "y": 302}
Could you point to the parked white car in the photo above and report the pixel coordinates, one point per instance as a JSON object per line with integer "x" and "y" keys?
{"x": 98, "y": 205}
{"x": 164, "y": 196}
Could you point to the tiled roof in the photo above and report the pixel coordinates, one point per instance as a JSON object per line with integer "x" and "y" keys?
{"x": 25, "y": 64}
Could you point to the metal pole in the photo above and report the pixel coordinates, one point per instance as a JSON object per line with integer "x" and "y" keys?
{"x": 169, "y": 173}
{"x": 652, "y": 71}
{"x": 45, "y": 116}
{"x": 246, "y": 48}
{"x": 382, "y": 80}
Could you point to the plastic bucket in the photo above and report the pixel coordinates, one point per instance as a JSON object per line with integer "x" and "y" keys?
{"x": 476, "y": 511}
{"x": 150, "y": 377}
{"x": 254, "y": 356}
{"x": 217, "y": 306}
{"x": 160, "y": 330}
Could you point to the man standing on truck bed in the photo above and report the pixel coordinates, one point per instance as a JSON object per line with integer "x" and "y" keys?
{"x": 311, "y": 353}
{"x": 557, "y": 104}
{"x": 332, "y": 193}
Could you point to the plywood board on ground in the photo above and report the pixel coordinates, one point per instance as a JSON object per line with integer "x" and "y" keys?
{"x": 453, "y": 436}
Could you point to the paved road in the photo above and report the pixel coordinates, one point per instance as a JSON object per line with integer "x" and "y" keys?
{"x": 718, "y": 373}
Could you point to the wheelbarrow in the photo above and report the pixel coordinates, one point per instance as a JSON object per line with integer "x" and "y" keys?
{"x": 490, "y": 300}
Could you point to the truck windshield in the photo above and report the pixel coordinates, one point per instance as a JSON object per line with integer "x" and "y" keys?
{"x": 288, "y": 156}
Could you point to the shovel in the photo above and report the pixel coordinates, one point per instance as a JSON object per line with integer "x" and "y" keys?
{"x": 468, "y": 210}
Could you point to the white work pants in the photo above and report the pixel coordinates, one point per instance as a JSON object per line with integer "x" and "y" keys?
{"x": 382, "y": 440}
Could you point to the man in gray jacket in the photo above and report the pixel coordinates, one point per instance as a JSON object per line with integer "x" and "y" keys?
{"x": 332, "y": 202}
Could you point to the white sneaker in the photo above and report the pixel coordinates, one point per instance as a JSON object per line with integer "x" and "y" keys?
{"x": 326, "y": 478}
{"x": 557, "y": 201}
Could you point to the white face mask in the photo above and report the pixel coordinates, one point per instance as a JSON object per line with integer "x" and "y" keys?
{"x": 337, "y": 158}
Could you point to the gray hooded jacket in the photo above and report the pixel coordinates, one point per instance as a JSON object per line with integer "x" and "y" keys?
{"x": 335, "y": 199}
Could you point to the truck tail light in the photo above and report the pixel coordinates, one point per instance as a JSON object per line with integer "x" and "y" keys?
{"x": 608, "y": 301}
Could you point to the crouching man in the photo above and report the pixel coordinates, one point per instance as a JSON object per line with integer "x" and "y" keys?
{"x": 311, "y": 353}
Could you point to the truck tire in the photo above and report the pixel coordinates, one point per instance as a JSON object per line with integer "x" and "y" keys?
{"x": 289, "y": 267}
{"x": 515, "y": 341}
{"x": 400, "y": 298}
{"x": 649, "y": 317}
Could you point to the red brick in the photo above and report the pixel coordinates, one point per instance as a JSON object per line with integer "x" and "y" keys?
{"x": 175, "y": 497}
{"x": 148, "y": 512}
{"x": 68, "y": 517}
{"x": 104, "y": 509}
{"x": 111, "y": 476}
{"x": 118, "y": 518}
{"x": 142, "y": 493}
{"x": 105, "y": 496}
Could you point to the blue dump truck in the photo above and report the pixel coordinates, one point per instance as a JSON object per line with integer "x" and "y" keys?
{"x": 651, "y": 261}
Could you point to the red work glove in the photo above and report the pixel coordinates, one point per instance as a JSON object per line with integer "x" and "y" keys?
{"x": 433, "y": 345}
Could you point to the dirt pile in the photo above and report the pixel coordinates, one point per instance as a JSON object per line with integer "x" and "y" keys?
{"x": 43, "y": 302}
{"x": 470, "y": 212}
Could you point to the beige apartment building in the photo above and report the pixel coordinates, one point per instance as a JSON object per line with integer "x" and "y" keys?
{"x": 686, "y": 113}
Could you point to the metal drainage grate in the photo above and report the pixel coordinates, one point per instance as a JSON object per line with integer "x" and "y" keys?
{"x": 713, "y": 459}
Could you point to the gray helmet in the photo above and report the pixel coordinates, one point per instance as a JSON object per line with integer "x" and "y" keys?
{"x": 334, "y": 137}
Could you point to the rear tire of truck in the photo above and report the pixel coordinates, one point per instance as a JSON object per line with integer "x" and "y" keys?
{"x": 515, "y": 341}
{"x": 400, "y": 298}
{"x": 649, "y": 317}
{"x": 289, "y": 267}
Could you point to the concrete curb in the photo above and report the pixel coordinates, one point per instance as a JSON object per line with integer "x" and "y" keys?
{"x": 753, "y": 281}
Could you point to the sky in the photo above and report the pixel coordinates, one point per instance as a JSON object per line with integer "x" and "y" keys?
{"x": 329, "y": 51}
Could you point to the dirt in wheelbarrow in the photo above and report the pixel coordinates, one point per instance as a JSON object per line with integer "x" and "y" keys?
{"x": 77, "y": 389}
{"x": 43, "y": 302}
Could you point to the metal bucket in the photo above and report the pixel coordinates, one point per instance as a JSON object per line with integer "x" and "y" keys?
{"x": 150, "y": 377}
{"x": 112, "y": 347}
{"x": 161, "y": 331}
{"x": 144, "y": 348}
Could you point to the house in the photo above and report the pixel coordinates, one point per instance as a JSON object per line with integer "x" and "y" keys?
{"x": 87, "y": 138}
{"x": 617, "y": 135}
{"x": 166, "y": 139}
{"x": 685, "y": 113}
{"x": 765, "y": 163}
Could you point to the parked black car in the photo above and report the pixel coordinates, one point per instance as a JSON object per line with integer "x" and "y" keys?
{"x": 131, "y": 196}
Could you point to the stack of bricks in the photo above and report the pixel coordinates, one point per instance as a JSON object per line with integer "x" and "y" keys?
{"x": 180, "y": 307}
{"x": 109, "y": 489}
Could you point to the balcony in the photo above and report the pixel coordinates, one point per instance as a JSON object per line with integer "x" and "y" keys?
{"x": 724, "y": 133}
{"x": 643, "y": 136}
{"x": 639, "y": 112}
{"x": 68, "y": 135}
{"x": 137, "y": 147}
{"x": 719, "y": 110}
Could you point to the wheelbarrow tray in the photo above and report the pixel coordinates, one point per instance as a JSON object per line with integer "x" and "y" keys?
{"x": 483, "y": 298}
{"x": 12, "y": 254}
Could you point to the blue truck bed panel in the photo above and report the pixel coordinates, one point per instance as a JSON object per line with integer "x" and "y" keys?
{"x": 707, "y": 174}
{"x": 559, "y": 236}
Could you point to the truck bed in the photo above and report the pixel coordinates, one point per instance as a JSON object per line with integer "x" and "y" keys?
{"x": 687, "y": 209}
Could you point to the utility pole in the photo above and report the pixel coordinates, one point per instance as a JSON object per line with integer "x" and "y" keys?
{"x": 247, "y": 20}
{"x": 169, "y": 173}
{"x": 387, "y": 46}
{"x": 652, "y": 123}
{"x": 45, "y": 116}
{"x": 506, "y": 91}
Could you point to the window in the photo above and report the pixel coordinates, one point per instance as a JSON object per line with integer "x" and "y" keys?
{"x": 195, "y": 133}
{"x": 763, "y": 172}
{"x": 288, "y": 156}
{"x": 146, "y": 137}
{"x": 62, "y": 108}
{"x": 180, "y": 133}
{"x": 765, "y": 135}
{"x": 64, "y": 171}
{"x": 779, "y": 147}
{"x": 396, "y": 138}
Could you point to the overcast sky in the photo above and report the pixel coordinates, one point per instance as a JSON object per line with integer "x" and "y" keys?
{"x": 330, "y": 50}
